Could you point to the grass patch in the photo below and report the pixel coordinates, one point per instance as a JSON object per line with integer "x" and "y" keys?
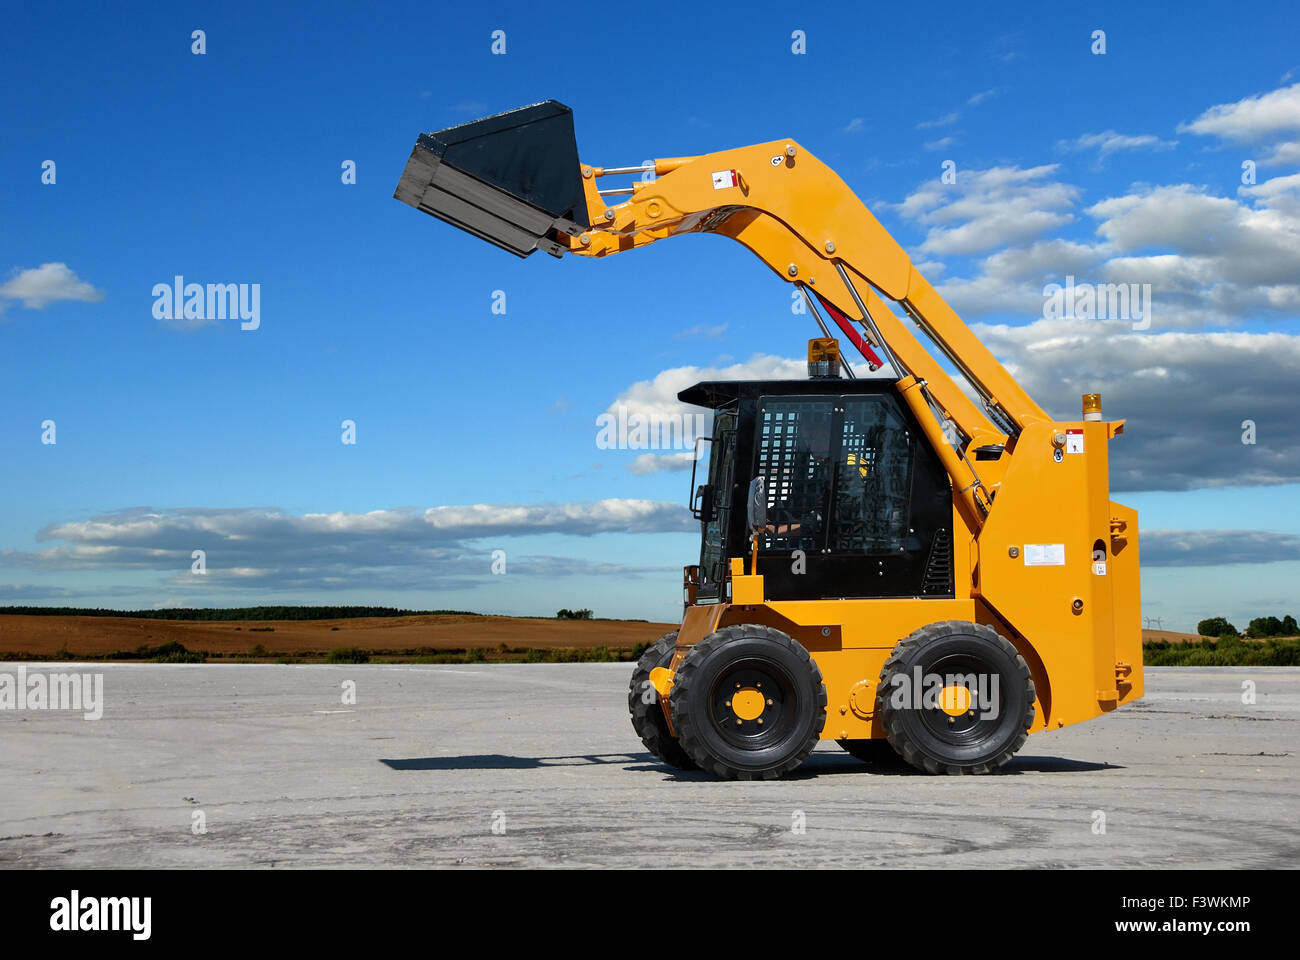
{"x": 172, "y": 653}
{"x": 1227, "y": 651}
{"x": 348, "y": 655}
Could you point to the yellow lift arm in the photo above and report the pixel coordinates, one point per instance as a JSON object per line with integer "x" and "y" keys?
{"x": 797, "y": 216}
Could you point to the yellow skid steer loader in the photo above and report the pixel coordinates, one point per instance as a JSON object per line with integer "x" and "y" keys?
{"x": 884, "y": 561}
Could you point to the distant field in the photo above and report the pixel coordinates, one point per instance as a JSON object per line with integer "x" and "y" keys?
{"x": 1170, "y": 636}
{"x": 445, "y": 638}
{"x": 42, "y": 637}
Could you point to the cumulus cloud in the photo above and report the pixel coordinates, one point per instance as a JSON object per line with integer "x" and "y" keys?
{"x": 1269, "y": 121}
{"x": 1185, "y": 395}
{"x": 1210, "y": 260}
{"x": 657, "y": 397}
{"x": 1251, "y": 119}
{"x": 988, "y": 209}
{"x": 1012, "y": 280}
{"x": 38, "y": 287}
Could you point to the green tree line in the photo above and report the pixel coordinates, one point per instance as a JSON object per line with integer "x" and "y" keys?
{"x": 1257, "y": 629}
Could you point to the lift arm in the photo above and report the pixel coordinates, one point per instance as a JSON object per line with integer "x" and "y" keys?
{"x": 515, "y": 180}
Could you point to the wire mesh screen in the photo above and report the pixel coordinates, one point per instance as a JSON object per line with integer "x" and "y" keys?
{"x": 794, "y": 458}
{"x": 873, "y": 487}
{"x": 837, "y": 475}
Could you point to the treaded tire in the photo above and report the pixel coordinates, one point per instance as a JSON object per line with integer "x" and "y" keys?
{"x": 879, "y": 751}
{"x": 792, "y": 705}
{"x": 922, "y": 736}
{"x": 648, "y": 718}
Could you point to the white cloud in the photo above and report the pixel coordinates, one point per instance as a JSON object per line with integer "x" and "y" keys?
{"x": 856, "y": 125}
{"x": 1251, "y": 119}
{"x": 1011, "y": 281}
{"x": 1111, "y": 142}
{"x": 648, "y": 463}
{"x": 988, "y": 209}
{"x": 1222, "y": 258}
{"x": 1271, "y": 119}
{"x": 1210, "y": 260}
{"x": 947, "y": 120}
{"x": 657, "y": 397}
{"x": 38, "y": 287}
{"x": 943, "y": 143}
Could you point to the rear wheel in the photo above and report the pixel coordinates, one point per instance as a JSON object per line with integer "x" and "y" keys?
{"x": 748, "y": 703}
{"x": 975, "y": 705}
{"x": 647, "y": 714}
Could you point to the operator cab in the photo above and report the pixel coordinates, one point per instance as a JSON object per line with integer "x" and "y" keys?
{"x": 857, "y": 503}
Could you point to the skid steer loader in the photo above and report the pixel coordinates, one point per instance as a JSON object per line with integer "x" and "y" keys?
{"x": 884, "y": 561}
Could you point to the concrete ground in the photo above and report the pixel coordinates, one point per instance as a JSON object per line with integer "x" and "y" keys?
{"x": 430, "y": 759}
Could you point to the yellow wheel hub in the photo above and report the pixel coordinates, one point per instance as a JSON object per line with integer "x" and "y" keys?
{"x": 954, "y": 700}
{"x": 747, "y": 704}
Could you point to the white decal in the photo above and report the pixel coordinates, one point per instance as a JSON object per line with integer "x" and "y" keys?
{"x": 723, "y": 179}
{"x": 1044, "y": 554}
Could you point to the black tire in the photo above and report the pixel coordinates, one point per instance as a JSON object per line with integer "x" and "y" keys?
{"x": 979, "y": 740}
{"x": 731, "y": 741}
{"x": 879, "y": 751}
{"x": 648, "y": 717}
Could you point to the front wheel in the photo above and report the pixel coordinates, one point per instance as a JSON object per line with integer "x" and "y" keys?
{"x": 748, "y": 703}
{"x": 648, "y": 718}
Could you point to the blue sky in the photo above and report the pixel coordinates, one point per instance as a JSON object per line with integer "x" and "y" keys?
{"x": 225, "y": 168}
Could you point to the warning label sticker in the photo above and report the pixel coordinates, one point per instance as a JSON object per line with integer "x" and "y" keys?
{"x": 1074, "y": 441}
{"x": 1044, "y": 554}
{"x": 723, "y": 179}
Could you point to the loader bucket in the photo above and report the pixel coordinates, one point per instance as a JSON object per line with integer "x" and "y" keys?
{"x": 512, "y": 178}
